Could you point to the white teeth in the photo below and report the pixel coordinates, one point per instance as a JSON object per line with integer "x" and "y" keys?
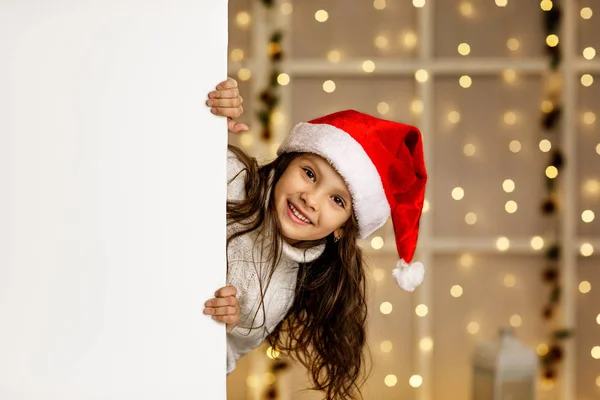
{"x": 297, "y": 214}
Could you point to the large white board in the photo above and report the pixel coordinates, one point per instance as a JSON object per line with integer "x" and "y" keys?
{"x": 112, "y": 199}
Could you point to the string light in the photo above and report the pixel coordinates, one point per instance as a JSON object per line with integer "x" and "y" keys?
{"x": 377, "y": 242}
{"x": 237, "y": 55}
{"x": 421, "y": 310}
{"x": 333, "y": 56}
{"x": 419, "y": 3}
{"x": 596, "y": 352}
{"x": 466, "y": 9}
{"x": 466, "y": 260}
{"x": 409, "y": 39}
{"x": 508, "y": 185}
{"x": 510, "y": 118}
{"x": 381, "y": 42}
{"x": 513, "y": 44}
{"x": 501, "y": 3}
{"x": 587, "y": 80}
{"x": 426, "y": 344}
{"x": 589, "y": 118}
{"x": 269, "y": 378}
{"x": 552, "y": 40}
{"x": 379, "y": 4}
{"x": 321, "y": 16}
{"x": 244, "y": 74}
{"x": 416, "y": 106}
{"x": 469, "y": 150}
{"x": 386, "y": 346}
{"x": 378, "y": 274}
{"x": 537, "y": 243}
{"x": 589, "y": 53}
{"x": 546, "y": 106}
{"x": 368, "y": 66}
{"x": 586, "y": 249}
{"x": 546, "y": 5}
{"x": 586, "y": 13}
{"x": 425, "y": 205}
{"x": 415, "y": 381}
{"x": 283, "y": 79}
{"x": 465, "y": 81}
{"x": 509, "y": 280}
{"x": 253, "y": 381}
{"x": 584, "y": 287}
{"x": 454, "y": 117}
{"x": 515, "y": 146}
{"x": 545, "y": 145}
{"x": 547, "y": 384}
{"x": 464, "y": 49}
{"x": 456, "y": 291}
{"x": 471, "y": 218}
{"x": 592, "y": 187}
{"x": 386, "y": 307}
{"x": 587, "y": 216}
{"x": 598, "y": 322}
{"x": 551, "y": 172}
{"x": 502, "y": 243}
{"x": 390, "y": 380}
{"x": 243, "y": 19}
{"x": 421, "y": 75}
{"x": 598, "y": 149}
{"x": 329, "y": 86}
{"x": 246, "y": 139}
{"x": 278, "y": 117}
{"x": 458, "y": 193}
{"x": 473, "y": 328}
{"x": 515, "y": 321}
{"x": 286, "y": 8}
{"x": 509, "y": 76}
{"x": 541, "y": 349}
{"x": 511, "y": 206}
{"x": 383, "y": 108}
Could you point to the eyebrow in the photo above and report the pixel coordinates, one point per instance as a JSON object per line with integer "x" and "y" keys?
{"x": 340, "y": 190}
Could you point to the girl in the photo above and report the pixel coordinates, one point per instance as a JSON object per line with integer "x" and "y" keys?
{"x": 296, "y": 275}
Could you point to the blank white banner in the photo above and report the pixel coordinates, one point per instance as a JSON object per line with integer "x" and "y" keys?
{"x": 112, "y": 202}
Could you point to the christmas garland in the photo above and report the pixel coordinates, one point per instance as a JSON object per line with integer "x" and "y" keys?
{"x": 268, "y": 96}
{"x": 550, "y": 121}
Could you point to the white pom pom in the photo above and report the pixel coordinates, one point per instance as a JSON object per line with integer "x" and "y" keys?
{"x": 409, "y": 276}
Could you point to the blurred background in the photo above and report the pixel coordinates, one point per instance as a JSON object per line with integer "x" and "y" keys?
{"x": 506, "y": 95}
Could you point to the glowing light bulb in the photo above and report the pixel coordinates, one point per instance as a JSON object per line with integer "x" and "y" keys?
{"x": 466, "y": 260}
{"x": 286, "y": 8}
{"x": 415, "y": 381}
{"x": 502, "y": 243}
{"x": 458, "y": 193}
{"x": 509, "y": 280}
{"x": 454, "y": 117}
{"x": 378, "y": 274}
{"x": 329, "y": 86}
{"x": 243, "y": 19}
{"x": 333, "y": 56}
{"x": 545, "y": 145}
{"x": 283, "y": 79}
{"x": 510, "y": 118}
{"x": 513, "y": 44}
{"x": 272, "y": 353}
{"x": 511, "y": 206}
{"x": 421, "y": 310}
{"x": 469, "y": 150}
{"x": 552, "y": 40}
{"x": 416, "y": 106}
{"x": 390, "y": 380}
{"x": 425, "y": 205}
{"x": 508, "y": 185}
{"x": 383, "y": 108}
{"x": 546, "y": 5}
{"x": 587, "y": 80}
{"x": 589, "y": 118}
{"x": 466, "y": 9}
{"x": 464, "y": 49}
{"x": 381, "y": 42}
{"x": 465, "y": 81}
{"x": 419, "y": 3}
{"x": 587, "y": 216}
{"x": 321, "y": 16}
{"x": 386, "y": 346}
{"x": 515, "y": 321}
{"x": 585, "y": 287}
{"x": 386, "y": 307}
{"x": 546, "y": 106}
{"x": 421, "y": 75}
{"x": 426, "y": 344}
{"x": 589, "y": 53}
{"x": 551, "y": 172}
{"x": 471, "y": 218}
{"x": 237, "y": 55}
{"x": 586, "y": 249}
{"x": 244, "y": 74}
{"x": 541, "y": 349}
{"x": 596, "y": 352}
{"x": 509, "y": 76}
{"x": 379, "y": 4}
{"x": 456, "y": 291}
{"x": 586, "y": 13}
{"x": 537, "y": 243}
{"x": 368, "y": 66}
{"x": 501, "y": 3}
{"x": 409, "y": 39}
{"x": 377, "y": 242}
{"x": 473, "y": 328}
{"x": 515, "y": 146}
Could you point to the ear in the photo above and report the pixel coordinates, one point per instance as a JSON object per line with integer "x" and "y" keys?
{"x": 339, "y": 233}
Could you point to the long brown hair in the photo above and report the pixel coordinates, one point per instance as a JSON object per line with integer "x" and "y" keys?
{"x": 325, "y": 329}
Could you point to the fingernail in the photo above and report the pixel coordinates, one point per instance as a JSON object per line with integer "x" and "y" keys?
{"x": 213, "y": 317}
{"x": 209, "y": 102}
{"x": 219, "y": 87}
{"x": 212, "y": 94}
{"x": 214, "y": 111}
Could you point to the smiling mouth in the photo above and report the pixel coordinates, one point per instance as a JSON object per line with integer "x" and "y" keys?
{"x": 296, "y": 213}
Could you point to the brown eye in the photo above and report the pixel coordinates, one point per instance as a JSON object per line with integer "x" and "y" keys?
{"x": 338, "y": 200}
{"x": 309, "y": 173}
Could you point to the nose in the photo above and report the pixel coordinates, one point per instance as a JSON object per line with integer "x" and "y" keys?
{"x": 309, "y": 199}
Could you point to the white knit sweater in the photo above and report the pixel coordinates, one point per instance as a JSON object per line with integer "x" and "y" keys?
{"x": 244, "y": 270}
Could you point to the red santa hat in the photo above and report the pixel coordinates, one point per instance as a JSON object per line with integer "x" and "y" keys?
{"x": 382, "y": 163}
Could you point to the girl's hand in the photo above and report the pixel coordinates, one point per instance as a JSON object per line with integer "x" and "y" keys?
{"x": 226, "y": 101}
{"x": 225, "y": 307}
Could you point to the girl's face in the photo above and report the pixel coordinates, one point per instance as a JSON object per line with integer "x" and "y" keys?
{"x": 311, "y": 199}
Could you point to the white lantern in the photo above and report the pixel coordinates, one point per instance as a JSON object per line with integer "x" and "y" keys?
{"x": 504, "y": 369}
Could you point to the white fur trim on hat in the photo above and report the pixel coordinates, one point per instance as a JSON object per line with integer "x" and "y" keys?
{"x": 409, "y": 276}
{"x": 351, "y": 161}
